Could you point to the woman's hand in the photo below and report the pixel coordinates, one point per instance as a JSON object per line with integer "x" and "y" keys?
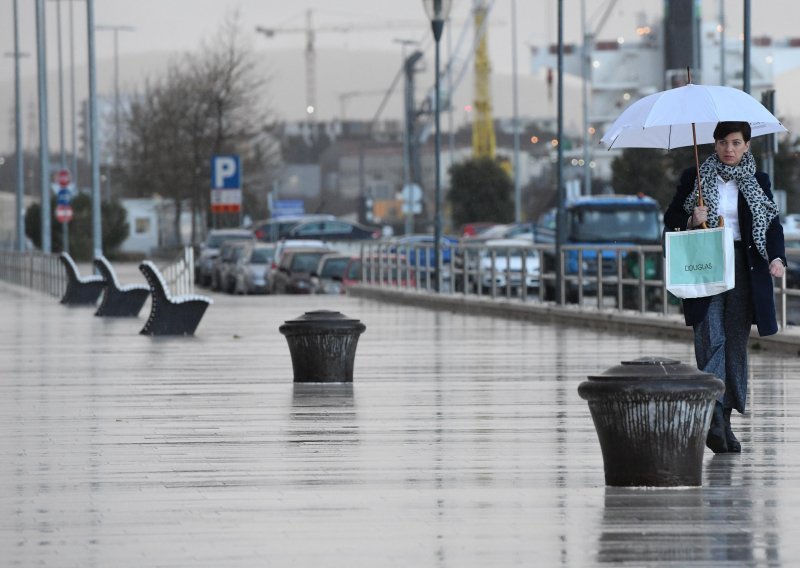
{"x": 699, "y": 216}
{"x": 776, "y": 268}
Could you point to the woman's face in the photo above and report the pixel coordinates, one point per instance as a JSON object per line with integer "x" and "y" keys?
{"x": 731, "y": 148}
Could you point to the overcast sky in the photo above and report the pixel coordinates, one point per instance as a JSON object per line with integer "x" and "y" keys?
{"x": 181, "y": 25}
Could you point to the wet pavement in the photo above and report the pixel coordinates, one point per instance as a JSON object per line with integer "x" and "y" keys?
{"x": 462, "y": 442}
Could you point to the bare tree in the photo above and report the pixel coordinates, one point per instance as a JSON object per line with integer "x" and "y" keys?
{"x": 209, "y": 103}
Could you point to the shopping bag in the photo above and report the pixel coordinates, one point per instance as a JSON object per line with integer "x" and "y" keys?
{"x": 699, "y": 263}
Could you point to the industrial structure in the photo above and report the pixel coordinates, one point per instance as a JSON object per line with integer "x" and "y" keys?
{"x": 483, "y": 139}
{"x": 310, "y": 32}
{"x": 619, "y": 72}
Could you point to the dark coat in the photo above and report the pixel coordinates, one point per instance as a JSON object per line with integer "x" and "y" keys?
{"x": 763, "y": 298}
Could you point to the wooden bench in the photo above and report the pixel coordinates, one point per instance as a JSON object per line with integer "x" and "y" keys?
{"x": 179, "y": 315}
{"x": 81, "y": 291}
{"x": 119, "y": 301}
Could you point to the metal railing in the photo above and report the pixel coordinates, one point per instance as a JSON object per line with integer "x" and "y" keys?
{"x": 594, "y": 277}
{"x": 45, "y": 273}
{"x": 179, "y": 274}
{"x": 35, "y": 270}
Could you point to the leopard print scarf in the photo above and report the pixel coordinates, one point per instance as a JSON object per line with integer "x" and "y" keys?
{"x": 762, "y": 207}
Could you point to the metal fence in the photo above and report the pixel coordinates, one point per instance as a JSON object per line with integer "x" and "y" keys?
{"x": 597, "y": 277}
{"x": 35, "y": 270}
{"x": 179, "y": 274}
{"x": 45, "y": 273}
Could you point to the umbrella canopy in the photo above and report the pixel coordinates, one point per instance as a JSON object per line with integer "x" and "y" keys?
{"x": 665, "y": 119}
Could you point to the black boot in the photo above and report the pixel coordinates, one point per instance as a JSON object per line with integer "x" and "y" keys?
{"x": 716, "y": 432}
{"x": 730, "y": 439}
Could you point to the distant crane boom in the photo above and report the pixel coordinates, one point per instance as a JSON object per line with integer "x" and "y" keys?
{"x": 310, "y": 32}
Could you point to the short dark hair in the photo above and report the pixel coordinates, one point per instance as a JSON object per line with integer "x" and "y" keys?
{"x": 723, "y": 129}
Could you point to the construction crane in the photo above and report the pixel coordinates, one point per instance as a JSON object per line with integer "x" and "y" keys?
{"x": 310, "y": 54}
{"x": 483, "y": 139}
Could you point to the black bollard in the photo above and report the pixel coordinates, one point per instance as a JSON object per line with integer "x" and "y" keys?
{"x": 652, "y": 417}
{"x": 323, "y": 346}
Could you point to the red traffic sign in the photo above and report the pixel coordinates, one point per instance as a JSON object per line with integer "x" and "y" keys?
{"x": 64, "y": 213}
{"x": 63, "y": 177}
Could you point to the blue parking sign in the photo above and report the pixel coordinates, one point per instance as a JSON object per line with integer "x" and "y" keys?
{"x": 226, "y": 172}
{"x": 64, "y": 196}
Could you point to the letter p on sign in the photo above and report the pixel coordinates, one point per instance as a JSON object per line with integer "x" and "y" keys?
{"x": 225, "y": 172}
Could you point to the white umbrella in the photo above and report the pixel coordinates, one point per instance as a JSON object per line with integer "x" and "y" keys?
{"x": 687, "y": 116}
{"x": 665, "y": 119}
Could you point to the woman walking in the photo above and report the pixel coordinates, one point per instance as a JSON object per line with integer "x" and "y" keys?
{"x": 732, "y": 190}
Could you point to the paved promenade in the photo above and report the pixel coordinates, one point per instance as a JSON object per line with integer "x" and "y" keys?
{"x": 462, "y": 442}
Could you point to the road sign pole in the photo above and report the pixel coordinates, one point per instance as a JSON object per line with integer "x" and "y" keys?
{"x": 65, "y": 237}
{"x": 64, "y": 178}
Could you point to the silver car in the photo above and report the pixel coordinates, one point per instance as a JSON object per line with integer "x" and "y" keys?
{"x": 329, "y": 275}
{"x": 250, "y": 271}
{"x": 209, "y": 250}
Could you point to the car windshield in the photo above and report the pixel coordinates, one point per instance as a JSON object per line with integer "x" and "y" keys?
{"x": 609, "y": 225}
{"x": 333, "y": 267}
{"x": 262, "y": 256}
{"x": 306, "y": 261}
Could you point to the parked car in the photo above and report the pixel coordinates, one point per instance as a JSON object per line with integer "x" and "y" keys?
{"x": 524, "y": 232}
{"x": 209, "y": 250}
{"x": 496, "y": 231}
{"x": 282, "y": 246}
{"x": 352, "y": 272}
{"x": 328, "y": 277}
{"x": 294, "y": 271}
{"x": 250, "y": 271}
{"x": 333, "y": 230}
{"x": 410, "y": 245}
{"x": 500, "y": 264}
{"x": 273, "y": 230}
{"x": 388, "y": 270}
{"x": 473, "y": 229}
{"x": 222, "y": 271}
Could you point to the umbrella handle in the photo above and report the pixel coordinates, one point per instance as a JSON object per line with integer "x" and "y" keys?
{"x": 697, "y": 167}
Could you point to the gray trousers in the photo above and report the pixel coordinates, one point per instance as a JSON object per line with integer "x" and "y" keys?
{"x": 720, "y": 340}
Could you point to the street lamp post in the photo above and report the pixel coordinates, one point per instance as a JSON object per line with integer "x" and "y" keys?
{"x": 437, "y": 11}
{"x": 97, "y": 234}
{"x": 115, "y": 30}
{"x": 20, "y": 183}
{"x": 44, "y": 144}
{"x": 408, "y": 105}
{"x": 515, "y": 113}
{"x": 561, "y": 218}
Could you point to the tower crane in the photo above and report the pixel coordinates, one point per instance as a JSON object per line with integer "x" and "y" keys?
{"x": 483, "y": 139}
{"x": 310, "y": 31}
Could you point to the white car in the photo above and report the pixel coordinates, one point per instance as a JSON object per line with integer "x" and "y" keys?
{"x": 501, "y": 263}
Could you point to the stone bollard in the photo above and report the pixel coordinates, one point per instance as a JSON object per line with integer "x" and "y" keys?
{"x": 323, "y": 346}
{"x": 652, "y": 417}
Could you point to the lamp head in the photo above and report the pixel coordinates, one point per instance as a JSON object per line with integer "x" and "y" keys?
{"x": 437, "y": 10}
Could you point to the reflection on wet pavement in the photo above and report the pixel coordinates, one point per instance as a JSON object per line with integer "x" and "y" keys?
{"x": 461, "y": 442}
